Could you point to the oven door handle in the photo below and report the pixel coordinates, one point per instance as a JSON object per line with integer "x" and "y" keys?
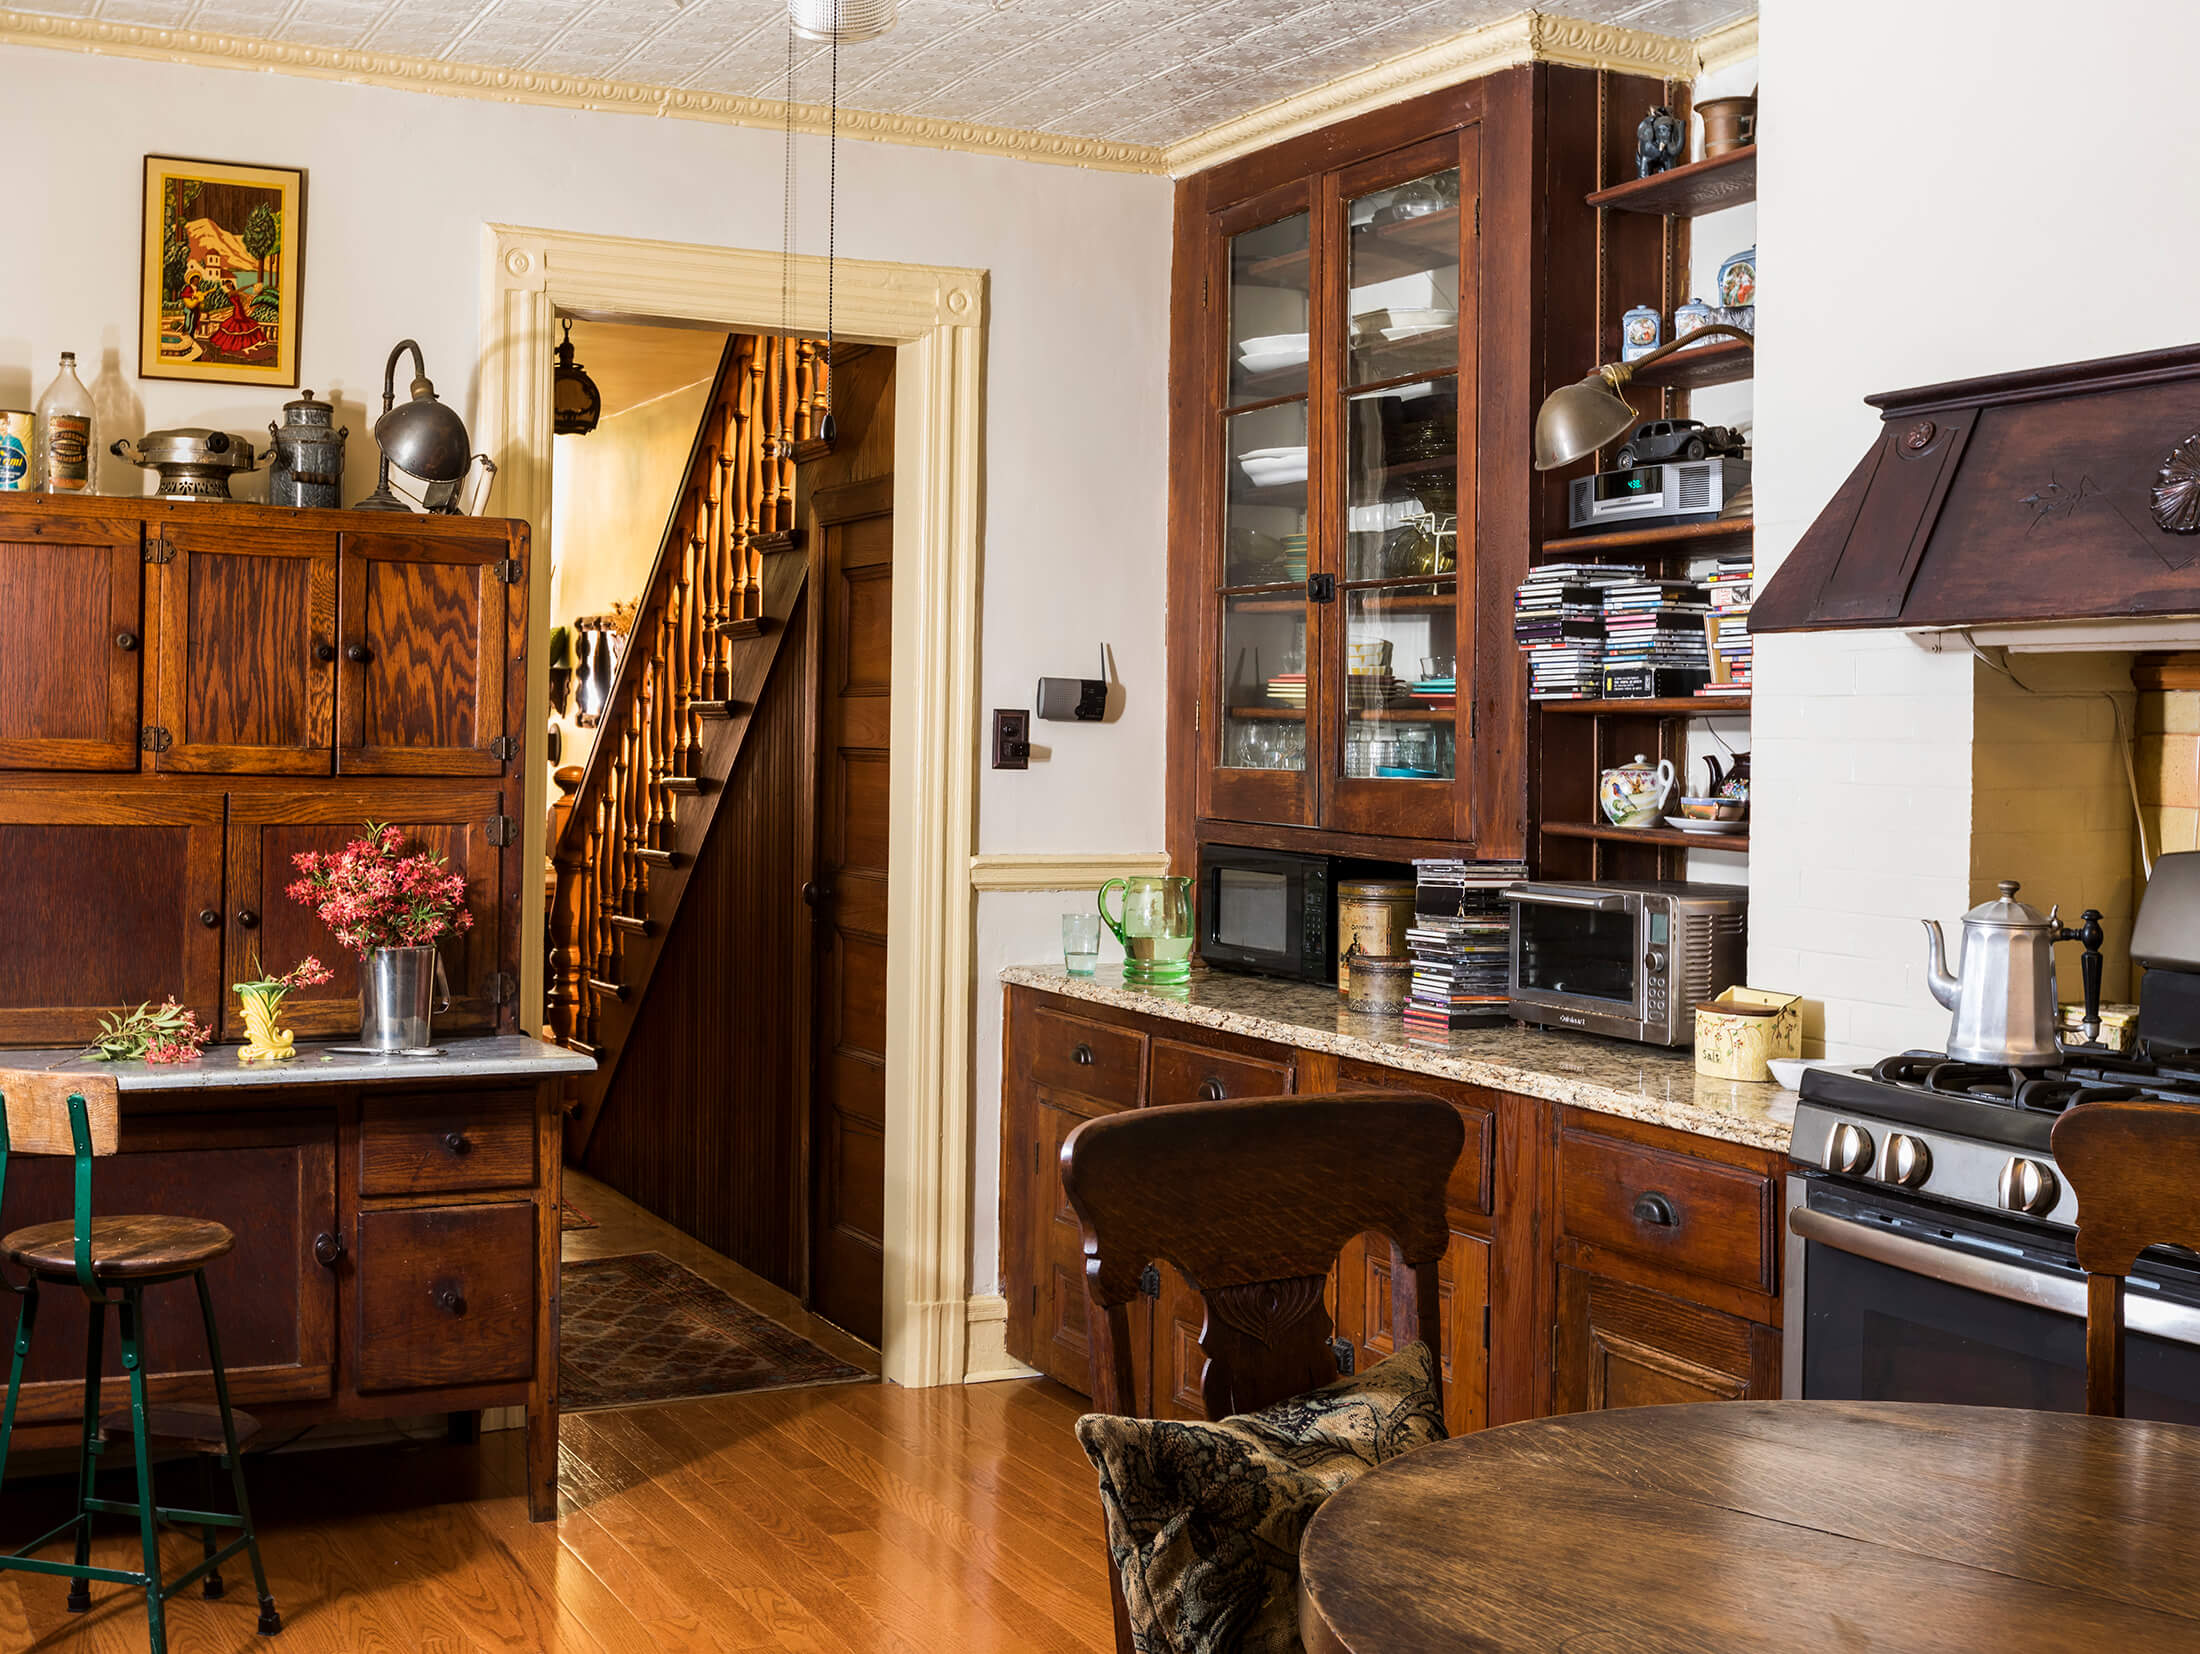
{"x": 1544, "y": 896}
{"x": 2020, "y": 1285}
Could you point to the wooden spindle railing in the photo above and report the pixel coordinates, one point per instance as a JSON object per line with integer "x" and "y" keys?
{"x": 676, "y": 672}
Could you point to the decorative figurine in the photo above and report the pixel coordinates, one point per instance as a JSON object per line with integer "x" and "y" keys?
{"x": 1660, "y": 141}
{"x": 1638, "y": 333}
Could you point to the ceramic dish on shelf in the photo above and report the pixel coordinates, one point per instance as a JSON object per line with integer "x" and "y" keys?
{"x": 1272, "y": 354}
{"x": 1709, "y": 829}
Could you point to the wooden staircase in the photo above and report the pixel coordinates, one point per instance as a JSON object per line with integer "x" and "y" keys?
{"x": 708, "y": 627}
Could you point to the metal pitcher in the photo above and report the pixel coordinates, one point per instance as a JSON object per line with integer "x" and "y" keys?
{"x": 2004, "y": 1000}
{"x": 306, "y": 456}
{"x": 400, "y": 990}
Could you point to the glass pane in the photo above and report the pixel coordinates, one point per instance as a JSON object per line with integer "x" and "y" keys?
{"x": 1403, "y": 306}
{"x": 1570, "y": 951}
{"x": 1401, "y": 648}
{"x": 1264, "y": 514}
{"x": 1264, "y": 682}
{"x": 1402, "y": 482}
{"x": 1268, "y": 304}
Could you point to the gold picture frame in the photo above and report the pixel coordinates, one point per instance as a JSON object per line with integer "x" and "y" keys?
{"x": 223, "y": 272}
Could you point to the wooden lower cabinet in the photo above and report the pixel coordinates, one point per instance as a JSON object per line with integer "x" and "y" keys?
{"x": 1622, "y": 1345}
{"x": 1463, "y": 1308}
{"x": 1058, "y": 1343}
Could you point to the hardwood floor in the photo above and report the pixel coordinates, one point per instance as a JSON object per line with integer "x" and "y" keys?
{"x": 841, "y": 1519}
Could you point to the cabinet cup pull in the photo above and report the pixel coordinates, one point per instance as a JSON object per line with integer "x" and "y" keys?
{"x": 450, "y": 1300}
{"x": 327, "y": 1248}
{"x": 1082, "y": 1056}
{"x": 1656, "y": 1210}
{"x": 324, "y": 652}
{"x": 358, "y": 654}
{"x": 211, "y": 918}
{"x": 126, "y": 641}
{"x": 248, "y": 919}
{"x": 458, "y": 1142}
{"x": 1211, "y": 1090}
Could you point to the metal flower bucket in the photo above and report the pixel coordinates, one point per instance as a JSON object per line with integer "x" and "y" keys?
{"x": 400, "y": 991}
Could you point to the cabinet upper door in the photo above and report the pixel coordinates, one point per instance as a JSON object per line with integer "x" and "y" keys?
{"x": 69, "y": 657}
{"x": 269, "y": 826}
{"x": 112, "y": 898}
{"x": 426, "y": 645}
{"x": 246, "y": 674}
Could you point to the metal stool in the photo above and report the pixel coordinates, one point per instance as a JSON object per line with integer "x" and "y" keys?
{"x": 112, "y": 1261}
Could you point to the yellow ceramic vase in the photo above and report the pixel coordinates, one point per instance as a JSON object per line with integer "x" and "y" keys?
{"x": 263, "y": 1041}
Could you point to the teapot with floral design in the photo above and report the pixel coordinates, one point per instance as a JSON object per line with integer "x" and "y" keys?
{"x": 1634, "y": 795}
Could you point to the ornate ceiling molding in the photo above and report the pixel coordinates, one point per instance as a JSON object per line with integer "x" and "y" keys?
{"x": 1736, "y": 43}
{"x": 1531, "y": 37}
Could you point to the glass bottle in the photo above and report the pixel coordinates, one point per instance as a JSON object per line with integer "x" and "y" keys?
{"x": 68, "y": 446}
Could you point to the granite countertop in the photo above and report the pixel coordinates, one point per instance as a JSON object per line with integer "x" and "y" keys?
{"x": 1636, "y": 1082}
{"x": 490, "y": 1056}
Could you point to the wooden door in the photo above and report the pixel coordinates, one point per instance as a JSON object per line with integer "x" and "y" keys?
{"x": 110, "y": 897}
{"x": 1463, "y": 1303}
{"x": 70, "y": 587}
{"x": 853, "y": 595}
{"x": 247, "y": 643}
{"x": 1061, "y": 1346}
{"x": 269, "y": 826}
{"x": 1179, "y": 1364}
{"x": 270, "y": 1178}
{"x": 1620, "y": 1345}
{"x": 421, "y": 685}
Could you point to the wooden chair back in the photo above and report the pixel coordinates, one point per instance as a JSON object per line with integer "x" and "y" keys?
{"x": 2133, "y": 1167}
{"x": 37, "y": 1111}
{"x": 1252, "y": 1201}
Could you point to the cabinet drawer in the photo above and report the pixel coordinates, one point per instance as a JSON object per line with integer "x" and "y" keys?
{"x": 446, "y": 1144}
{"x": 1695, "y": 1215}
{"x": 1089, "y": 1058}
{"x": 1187, "y": 1074}
{"x": 446, "y": 1296}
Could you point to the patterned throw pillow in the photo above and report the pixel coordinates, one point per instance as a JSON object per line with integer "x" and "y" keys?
{"x": 1204, "y": 1520}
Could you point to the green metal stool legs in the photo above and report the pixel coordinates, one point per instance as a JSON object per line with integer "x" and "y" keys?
{"x": 95, "y": 1357}
{"x": 270, "y": 1621}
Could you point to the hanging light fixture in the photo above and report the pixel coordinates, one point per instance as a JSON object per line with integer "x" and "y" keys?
{"x": 842, "y": 22}
{"x": 576, "y": 403}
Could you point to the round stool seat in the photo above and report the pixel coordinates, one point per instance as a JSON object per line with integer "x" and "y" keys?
{"x": 123, "y": 1249}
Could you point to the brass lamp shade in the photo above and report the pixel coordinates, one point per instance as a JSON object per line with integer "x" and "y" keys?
{"x": 1578, "y": 419}
{"x": 424, "y": 439}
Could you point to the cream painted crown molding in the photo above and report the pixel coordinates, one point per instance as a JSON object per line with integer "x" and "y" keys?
{"x": 1531, "y": 37}
{"x": 1061, "y": 870}
{"x": 1736, "y": 43}
{"x": 625, "y": 97}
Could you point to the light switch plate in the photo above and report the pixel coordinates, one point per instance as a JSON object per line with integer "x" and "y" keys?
{"x": 1011, "y": 738}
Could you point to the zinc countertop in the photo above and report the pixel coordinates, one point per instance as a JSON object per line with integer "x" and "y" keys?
{"x": 490, "y": 1056}
{"x": 1606, "y": 1076}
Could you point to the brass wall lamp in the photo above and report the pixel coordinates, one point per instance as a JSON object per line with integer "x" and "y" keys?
{"x": 1578, "y": 419}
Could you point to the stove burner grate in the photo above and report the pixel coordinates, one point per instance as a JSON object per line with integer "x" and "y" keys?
{"x": 2047, "y": 1091}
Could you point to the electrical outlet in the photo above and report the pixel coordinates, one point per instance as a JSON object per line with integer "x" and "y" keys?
{"x": 1011, "y": 738}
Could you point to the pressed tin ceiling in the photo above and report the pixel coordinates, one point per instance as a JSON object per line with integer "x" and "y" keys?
{"x": 1136, "y": 72}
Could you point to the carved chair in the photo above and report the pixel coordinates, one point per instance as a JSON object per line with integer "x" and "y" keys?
{"x": 2133, "y": 1167}
{"x": 1252, "y": 1201}
{"x": 112, "y": 1261}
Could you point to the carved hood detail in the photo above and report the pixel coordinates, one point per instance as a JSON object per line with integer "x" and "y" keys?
{"x": 2056, "y": 494}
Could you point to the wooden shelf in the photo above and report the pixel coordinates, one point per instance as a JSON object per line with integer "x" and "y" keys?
{"x": 1667, "y": 836}
{"x": 1689, "y": 191}
{"x": 1679, "y": 539}
{"x": 1674, "y": 706}
{"x": 1361, "y": 714}
{"x": 1714, "y": 362}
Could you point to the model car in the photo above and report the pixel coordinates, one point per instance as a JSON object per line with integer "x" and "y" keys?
{"x": 1670, "y": 439}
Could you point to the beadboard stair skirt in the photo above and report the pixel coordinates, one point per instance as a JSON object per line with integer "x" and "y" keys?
{"x": 707, "y": 632}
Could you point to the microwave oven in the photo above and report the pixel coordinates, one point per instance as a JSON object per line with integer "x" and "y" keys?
{"x": 1273, "y": 912}
{"x": 1631, "y": 959}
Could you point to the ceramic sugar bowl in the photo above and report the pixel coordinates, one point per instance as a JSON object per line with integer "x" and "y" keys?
{"x": 1633, "y": 795}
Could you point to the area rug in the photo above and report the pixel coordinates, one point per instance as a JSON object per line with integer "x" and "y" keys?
{"x": 640, "y": 1328}
{"x": 571, "y": 1217}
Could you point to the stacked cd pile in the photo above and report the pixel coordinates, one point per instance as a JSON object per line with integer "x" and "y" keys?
{"x": 1654, "y": 643}
{"x": 1558, "y": 622}
{"x": 1460, "y": 940}
{"x": 1734, "y": 655}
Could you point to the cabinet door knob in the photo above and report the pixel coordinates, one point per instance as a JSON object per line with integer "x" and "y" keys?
{"x": 358, "y": 653}
{"x": 1655, "y": 1210}
{"x": 126, "y": 641}
{"x": 248, "y": 919}
{"x": 327, "y": 1248}
{"x": 1211, "y": 1090}
{"x": 1082, "y": 1056}
{"x": 210, "y": 917}
{"x": 324, "y": 652}
{"x": 458, "y": 1142}
{"x": 450, "y": 1300}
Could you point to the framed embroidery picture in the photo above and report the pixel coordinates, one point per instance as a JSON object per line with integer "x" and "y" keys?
{"x": 223, "y": 272}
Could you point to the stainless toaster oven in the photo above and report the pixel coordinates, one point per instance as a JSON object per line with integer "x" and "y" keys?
{"x": 1625, "y": 958}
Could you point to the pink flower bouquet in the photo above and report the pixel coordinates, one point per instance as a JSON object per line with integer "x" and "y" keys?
{"x": 372, "y": 897}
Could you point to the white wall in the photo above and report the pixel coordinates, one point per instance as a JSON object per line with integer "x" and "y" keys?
{"x": 399, "y": 186}
{"x": 1915, "y": 226}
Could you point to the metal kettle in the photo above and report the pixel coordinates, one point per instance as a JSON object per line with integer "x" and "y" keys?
{"x": 2004, "y": 1002}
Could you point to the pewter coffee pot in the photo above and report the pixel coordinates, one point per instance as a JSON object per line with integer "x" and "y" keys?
{"x": 2004, "y": 1001}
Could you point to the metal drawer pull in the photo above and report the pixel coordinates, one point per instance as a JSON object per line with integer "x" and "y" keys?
{"x": 1656, "y": 1210}
{"x": 210, "y": 918}
{"x": 1082, "y": 1056}
{"x": 450, "y": 1300}
{"x": 248, "y": 919}
{"x": 324, "y": 652}
{"x": 1211, "y": 1090}
{"x": 458, "y": 1142}
{"x": 127, "y": 642}
{"x": 358, "y": 654}
{"x": 327, "y": 1248}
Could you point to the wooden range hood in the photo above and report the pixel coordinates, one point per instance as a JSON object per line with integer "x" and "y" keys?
{"x": 2062, "y": 496}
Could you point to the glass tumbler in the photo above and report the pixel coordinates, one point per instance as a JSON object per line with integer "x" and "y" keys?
{"x": 1081, "y": 943}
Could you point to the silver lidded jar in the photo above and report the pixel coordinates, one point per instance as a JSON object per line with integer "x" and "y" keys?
{"x": 306, "y": 456}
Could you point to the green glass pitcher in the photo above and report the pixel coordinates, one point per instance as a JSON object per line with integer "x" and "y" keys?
{"x": 1154, "y": 926}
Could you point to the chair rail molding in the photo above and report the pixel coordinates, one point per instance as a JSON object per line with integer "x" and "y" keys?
{"x": 935, "y": 317}
{"x": 1061, "y": 869}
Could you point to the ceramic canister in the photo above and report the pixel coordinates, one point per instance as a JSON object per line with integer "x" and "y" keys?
{"x": 1379, "y": 986}
{"x": 1638, "y": 332}
{"x": 1738, "y": 279}
{"x": 1689, "y": 317}
{"x": 1373, "y": 916}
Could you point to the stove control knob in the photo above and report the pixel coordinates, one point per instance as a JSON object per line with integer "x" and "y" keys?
{"x": 2028, "y": 1186}
{"x": 1849, "y": 1150}
{"x": 1909, "y": 1161}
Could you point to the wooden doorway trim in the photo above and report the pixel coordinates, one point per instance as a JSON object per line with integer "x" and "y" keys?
{"x": 936, "y": 319}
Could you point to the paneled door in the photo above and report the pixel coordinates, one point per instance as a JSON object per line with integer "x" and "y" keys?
{"x": 1463, "y": 1308}
{"x": 1621, "y": 1345}
{"x": 268, "y": 826}
{"x": 853, "y": 569}
{"x": 69, "y": 657}
{"x": 247, "y": 646}
{"x": 425, "y": 646}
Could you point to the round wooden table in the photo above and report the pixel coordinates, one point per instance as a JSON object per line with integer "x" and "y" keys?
{"x": 1787, "y": 1525}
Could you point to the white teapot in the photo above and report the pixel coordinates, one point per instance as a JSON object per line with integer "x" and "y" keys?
{"x": 1634, "y": 795}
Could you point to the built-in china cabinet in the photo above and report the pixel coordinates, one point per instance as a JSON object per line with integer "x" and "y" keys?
{"x": 1365, "y": 319}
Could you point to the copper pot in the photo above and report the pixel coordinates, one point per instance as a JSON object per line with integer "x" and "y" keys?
{"x": 1728, "y": 124}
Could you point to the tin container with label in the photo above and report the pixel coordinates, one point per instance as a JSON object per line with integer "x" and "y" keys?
{"x": 1373, "y": 916}
{"x": 1380, "y": 987}
{"x": 1638, "y": 332}
{"x": 17, "y": 427}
